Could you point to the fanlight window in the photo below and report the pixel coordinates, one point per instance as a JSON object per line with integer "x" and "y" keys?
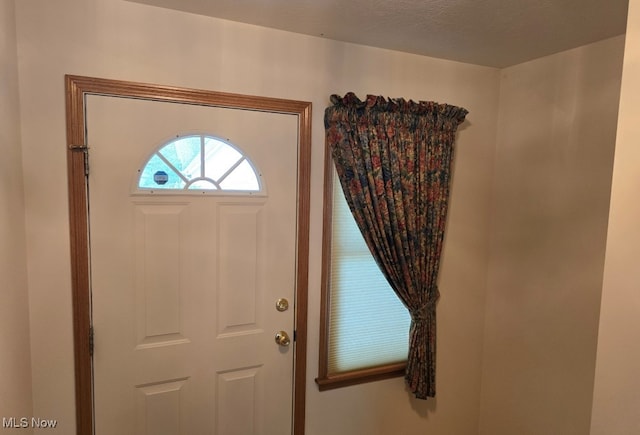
{"x": 199, "y": 163}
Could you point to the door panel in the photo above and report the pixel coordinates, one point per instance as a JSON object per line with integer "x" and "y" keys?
{"x": 184, "y": 286}
{"x": 240, "y": 248}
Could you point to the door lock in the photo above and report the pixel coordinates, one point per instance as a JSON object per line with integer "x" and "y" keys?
{"x": 282, "y": 338}
{"x": 282, "y": 304}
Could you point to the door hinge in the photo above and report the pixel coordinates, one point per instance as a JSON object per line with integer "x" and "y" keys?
{"x": 86, "y": 162}
{"x": 84, "y": 149}
{"x": 91, "y": 341}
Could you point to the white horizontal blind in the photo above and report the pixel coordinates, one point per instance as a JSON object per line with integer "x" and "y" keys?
{"x": 369, "y": 326}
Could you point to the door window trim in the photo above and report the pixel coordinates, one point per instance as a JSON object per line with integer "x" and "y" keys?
{"x": 212, "y": 163}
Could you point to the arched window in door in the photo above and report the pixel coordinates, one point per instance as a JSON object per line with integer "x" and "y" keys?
{"x": 199, "y": 163}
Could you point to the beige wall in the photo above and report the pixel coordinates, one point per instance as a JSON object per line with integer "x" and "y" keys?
{"x": 545, "y": 232}
{"x": 15, "y": 362}
{"x": 121, "y": 40}
{"x": 616, "y": 401}
{"x": 557, "y": 128}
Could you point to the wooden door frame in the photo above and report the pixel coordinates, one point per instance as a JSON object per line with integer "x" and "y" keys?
{"x": 77, "y": 88}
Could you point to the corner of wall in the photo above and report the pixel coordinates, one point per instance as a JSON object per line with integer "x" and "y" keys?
{"x": 16, "y": 399}
{"x": 552, "y": 176}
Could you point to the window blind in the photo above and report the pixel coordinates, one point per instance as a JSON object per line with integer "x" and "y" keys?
{"x": 369, "y": 325}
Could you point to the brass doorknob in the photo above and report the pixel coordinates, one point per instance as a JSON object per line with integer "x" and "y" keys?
{"x": 282, "y": 338}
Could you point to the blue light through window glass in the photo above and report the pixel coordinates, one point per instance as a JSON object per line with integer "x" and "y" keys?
{"x": 201, "y": 163}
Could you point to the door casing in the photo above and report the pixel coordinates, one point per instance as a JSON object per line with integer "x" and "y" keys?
{"x": 77, "y": 88}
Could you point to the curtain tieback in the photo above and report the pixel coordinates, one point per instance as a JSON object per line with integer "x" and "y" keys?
{"x": 424, "y": 312}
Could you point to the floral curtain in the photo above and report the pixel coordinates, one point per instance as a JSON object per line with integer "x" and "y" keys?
{"x": 393, "y": 158}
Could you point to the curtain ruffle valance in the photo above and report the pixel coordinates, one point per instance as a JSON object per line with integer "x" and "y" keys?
{"x": 377, "y": 103}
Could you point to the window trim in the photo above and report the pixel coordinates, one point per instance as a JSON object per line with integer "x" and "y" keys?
{"x": 326, "y": 380}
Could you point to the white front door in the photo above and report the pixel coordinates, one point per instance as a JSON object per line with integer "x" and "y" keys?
{"x": 184, "y": 286}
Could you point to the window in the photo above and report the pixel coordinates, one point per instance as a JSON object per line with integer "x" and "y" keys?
{"x": 199, "y": 163}
{"x": 364, "y": 326}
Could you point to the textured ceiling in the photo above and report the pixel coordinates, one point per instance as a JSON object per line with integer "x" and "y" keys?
{"x": 495, "y": 33}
